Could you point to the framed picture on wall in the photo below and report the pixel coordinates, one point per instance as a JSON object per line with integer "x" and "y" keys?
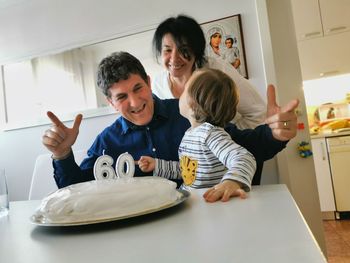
{"x": 224, "y": 39}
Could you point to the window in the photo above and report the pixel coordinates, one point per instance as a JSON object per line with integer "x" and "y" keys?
{"x": 54, "y": 83}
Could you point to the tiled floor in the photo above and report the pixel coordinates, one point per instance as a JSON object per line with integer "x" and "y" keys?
{"x": 337, "y": 235}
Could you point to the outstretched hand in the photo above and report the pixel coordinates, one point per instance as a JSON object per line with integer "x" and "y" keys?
{"x": 281, "y": 120}
{"x": 224, "y": 191}
{"x": 59, "y": 138}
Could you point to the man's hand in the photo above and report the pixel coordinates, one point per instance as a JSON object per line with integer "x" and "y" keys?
{"x": 59, "y": 138}
{"x": 224, "y": 191}
{"x": 281, "y": 120}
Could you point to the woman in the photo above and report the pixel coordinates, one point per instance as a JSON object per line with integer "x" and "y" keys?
{"x": 180, "y": 43}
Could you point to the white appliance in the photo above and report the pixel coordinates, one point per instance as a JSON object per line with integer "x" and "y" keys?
{"x": 339, "y": 159}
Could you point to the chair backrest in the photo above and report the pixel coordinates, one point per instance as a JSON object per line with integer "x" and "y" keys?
{"x": 43, "y": 182}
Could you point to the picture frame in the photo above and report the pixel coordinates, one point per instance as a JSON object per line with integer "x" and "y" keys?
{"x": 230, "y": 29}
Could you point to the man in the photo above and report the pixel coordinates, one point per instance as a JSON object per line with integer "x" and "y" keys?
{"x": 150, "y": 126}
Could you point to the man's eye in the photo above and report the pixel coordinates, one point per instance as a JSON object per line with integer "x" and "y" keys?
{"x": 138, "y": 88}
{"x": 120, "y": 98}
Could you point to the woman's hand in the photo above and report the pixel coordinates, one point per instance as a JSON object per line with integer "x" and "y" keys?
{"x": 224, "y": 191}
{"x": 281, "y": 120}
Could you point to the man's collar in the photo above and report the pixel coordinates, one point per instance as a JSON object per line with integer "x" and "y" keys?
{"x": 160, "y": 110}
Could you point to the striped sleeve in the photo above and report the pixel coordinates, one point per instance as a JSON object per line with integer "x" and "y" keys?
{"x": 239, "y": 161}
{"x": 167, "y": 169}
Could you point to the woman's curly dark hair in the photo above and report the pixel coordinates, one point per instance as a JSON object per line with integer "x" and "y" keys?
{"x": 188, "y": 36}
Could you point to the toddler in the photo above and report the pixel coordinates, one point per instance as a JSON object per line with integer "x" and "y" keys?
{"x": 208, "y": 157}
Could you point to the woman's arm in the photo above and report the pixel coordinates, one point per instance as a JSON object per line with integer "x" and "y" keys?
{"x": 251, "y": 109}
{"x": 265, "y": 141}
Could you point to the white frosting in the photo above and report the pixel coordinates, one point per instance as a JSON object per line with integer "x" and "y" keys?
{"x": 103, "y": 199}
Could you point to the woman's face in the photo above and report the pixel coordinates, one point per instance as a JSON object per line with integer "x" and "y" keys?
{"x": 173, "y": 60}
{"x": 215, "y": 40}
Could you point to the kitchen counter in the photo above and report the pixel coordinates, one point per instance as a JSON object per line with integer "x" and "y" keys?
{"x": 332, "y": 134}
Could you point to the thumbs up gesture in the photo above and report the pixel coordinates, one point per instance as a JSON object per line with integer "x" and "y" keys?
{"x": 281, "y": 120}
{"x": 59, "y": 138}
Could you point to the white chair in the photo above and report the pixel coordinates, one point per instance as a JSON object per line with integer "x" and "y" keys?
{"x": 43, "y": 182}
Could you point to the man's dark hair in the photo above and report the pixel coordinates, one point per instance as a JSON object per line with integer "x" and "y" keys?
{"x": 188, "y": 36}
{"x": 118, "y": 66}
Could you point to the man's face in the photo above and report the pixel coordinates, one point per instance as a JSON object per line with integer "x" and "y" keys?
{"x": 133, "y": 99}
{"x": 228, "y": 43}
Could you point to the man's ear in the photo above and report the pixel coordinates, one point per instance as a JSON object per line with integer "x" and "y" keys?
{"x": 149, "y": 82}
{"x": 109, "y": 100}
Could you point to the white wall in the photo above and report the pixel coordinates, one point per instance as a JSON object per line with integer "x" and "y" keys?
{"x": 282, "y": 68}
{"x": 37, "y": 27}
{"x": 19, "y": 149}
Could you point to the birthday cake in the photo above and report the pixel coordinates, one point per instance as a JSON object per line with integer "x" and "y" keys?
{"x": 101, "y": 199}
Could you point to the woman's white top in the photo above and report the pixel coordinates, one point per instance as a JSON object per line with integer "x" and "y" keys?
{"x": 251, "y": 110}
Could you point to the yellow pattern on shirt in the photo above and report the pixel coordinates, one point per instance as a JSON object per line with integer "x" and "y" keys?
{"x": 188, "y": 170}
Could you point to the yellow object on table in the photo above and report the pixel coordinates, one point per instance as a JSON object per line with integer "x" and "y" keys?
{"x": 338, "y": 124}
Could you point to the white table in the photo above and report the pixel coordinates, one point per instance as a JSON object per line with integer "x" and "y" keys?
{"x": 266, "y": 227}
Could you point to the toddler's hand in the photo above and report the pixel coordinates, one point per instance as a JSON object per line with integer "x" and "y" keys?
{"x": 146, "y": 163}
{"x": 224, "y": 191}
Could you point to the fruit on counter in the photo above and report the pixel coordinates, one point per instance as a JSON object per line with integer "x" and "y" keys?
{"x": 314, "y": 130}
{"x": 333, "y": 125}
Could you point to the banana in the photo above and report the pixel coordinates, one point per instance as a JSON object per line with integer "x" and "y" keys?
{"x": 333, "y": 125}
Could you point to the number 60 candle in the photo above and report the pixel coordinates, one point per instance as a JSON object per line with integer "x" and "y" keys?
{"x": 103, "y": 167}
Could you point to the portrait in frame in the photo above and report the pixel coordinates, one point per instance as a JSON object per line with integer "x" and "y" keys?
{"x": 224, "y": 39}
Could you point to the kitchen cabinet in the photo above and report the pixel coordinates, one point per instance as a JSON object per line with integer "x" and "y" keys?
{"x": 317, "y": 18}
{"x": 326, "y": 56}
{"x": 323, "y": 175}
{"x": 322, "y": 28}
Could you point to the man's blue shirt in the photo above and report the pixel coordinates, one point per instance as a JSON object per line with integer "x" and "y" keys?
{"x": 159, "y": 139}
